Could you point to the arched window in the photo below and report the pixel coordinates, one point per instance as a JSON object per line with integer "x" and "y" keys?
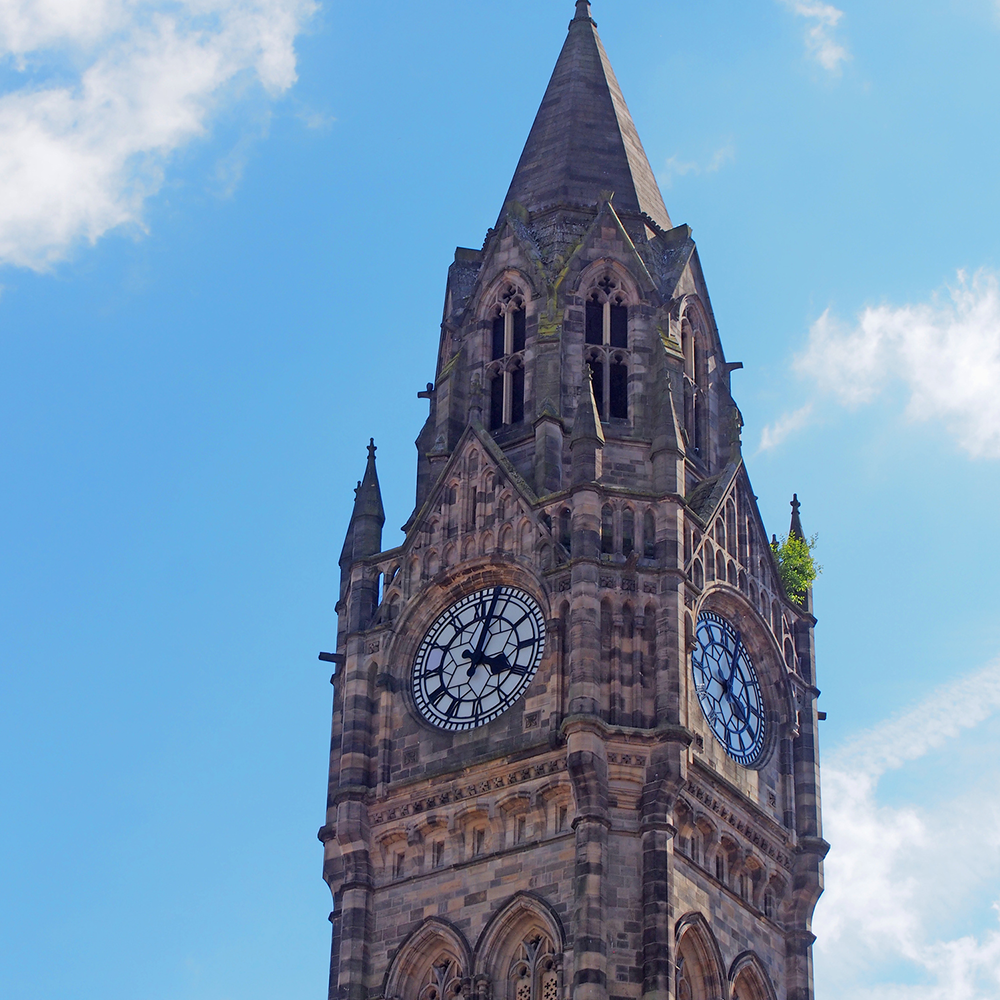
{"x": 699, "y": 973}
{"x": 507, "y": 357}
{"x": 607, "y": 530}
{"x": 606, "y": 331}
{"x": 649, "y": 535}
{"x": 628, "y": 531}
{"x": 751, "y": 982}
{"x": 431, "y": 965}
{"x": 533, "y": 973}
{"x": 566, "y": 529}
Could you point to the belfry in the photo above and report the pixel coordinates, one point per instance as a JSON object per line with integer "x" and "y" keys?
{"x": 574, "y": 728}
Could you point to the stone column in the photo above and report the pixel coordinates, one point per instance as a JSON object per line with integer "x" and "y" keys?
{"x": 588, "y": 768}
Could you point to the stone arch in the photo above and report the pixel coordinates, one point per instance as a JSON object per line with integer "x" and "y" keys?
{"x": 506, "y": 543}
{"x": 526, "y": 538}
{"x": 521, "y": 947}
{"x": 430, "y": 964}
{"x": 749, "y": 980}
{"x": 698, "y": 965}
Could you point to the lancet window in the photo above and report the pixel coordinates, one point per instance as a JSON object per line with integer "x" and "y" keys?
{"x": 506, "y": 367}
{"x": 606, "y": 336}
{"x": 534, "y": 973}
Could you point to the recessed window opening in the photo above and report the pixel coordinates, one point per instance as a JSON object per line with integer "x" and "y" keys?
{"x": 521, "y": 833}
{"x": 437, "y": 852}
{"x": 478, "y": 841}
{"x": 398, "y": 864}
{"x": 648, "y": 535}
{"x": 607, "y": 531}
{"x": 628, "y": 532}
{"x": 606, "y": 326}
{"x": 566, "y": 529}
{"x": 509, "y": 336}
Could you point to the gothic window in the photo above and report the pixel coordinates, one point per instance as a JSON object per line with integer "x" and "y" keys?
{"x": 565, "y": 529}
{"x": 607, "y": 530}
{"x": 648, "y": 535}
{"x": 606, "y": 334}
{"x": 534, "y": 972}
{"x": 628, "y": 531}
{"x": 398, "y": 864}
{"x": 437, "y": 854}
{"x": 720, "y": 865}
{"x": 506, "y": 368}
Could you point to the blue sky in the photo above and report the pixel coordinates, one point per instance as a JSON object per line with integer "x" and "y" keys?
{"x": 224, "y": 232}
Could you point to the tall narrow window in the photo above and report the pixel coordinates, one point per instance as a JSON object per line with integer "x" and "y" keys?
{"x": 607, "y": 531}
{"x": 628, "y": 532}
{"x": 648, "y": 535}
{"x": 438, "y": 854}
{"x": 398, "y": 864}
{"x": 566, "y": 529}
{"x": 618, "y": 390}
{"x": 606, "y": 331}
{"x": 506, "y": 368}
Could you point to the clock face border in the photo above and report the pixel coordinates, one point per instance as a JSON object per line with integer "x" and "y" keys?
{"x": 755, "y": 659}
{"x": 502, "y": 662}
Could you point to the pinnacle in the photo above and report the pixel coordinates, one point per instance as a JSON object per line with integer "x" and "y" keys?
{"x": 796, "y": 526}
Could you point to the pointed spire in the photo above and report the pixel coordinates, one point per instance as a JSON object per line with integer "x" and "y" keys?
{"x": 796, "y": 526}
{"x": 586, "y": 443}
{"x": 583, "y": 142}
{"x": 364, "y": 534}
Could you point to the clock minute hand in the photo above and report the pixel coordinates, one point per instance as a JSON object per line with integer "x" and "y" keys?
{"x": 732, "y": 666}
{"x": 476, "y": 657}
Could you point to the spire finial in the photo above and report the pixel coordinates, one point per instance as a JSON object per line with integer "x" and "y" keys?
{"x": 371, "y": 448}
{"x": 583, "y": 11}
{"x": 795, "y": 529}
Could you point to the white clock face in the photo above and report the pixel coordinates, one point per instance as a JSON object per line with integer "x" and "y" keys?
{"x": 728, "y": 689}
{"x": 478, "y": 658}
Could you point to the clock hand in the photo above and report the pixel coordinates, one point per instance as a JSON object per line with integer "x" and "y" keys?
{"x": 497, "y": 664}
{"x": 732, "y": 667}
{"x": 477, "y": 656}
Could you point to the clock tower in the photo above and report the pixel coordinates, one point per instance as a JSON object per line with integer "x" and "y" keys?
{"x": 574, "y": 730}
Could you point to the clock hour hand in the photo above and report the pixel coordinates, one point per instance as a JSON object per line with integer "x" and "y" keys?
{"x": 477, "y": 656}
{"x": 497, "y": 663}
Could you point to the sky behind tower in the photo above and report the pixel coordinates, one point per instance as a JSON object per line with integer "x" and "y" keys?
{"x": 224, "y": 232}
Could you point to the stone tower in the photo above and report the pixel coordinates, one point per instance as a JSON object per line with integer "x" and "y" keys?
{"x": 574, "y": 752}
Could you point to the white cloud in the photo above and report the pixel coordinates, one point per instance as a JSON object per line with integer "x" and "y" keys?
{"x": 820, "y": 41}
{"x": 676, "y": 167}
{"x": 775, "y": 434}
{"x": 945, "y": 351}
{"x": 112, "y": 88}
{"x": 901, "y": 876}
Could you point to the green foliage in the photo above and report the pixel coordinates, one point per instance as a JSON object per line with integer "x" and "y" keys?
{"x": 796, "y": 565}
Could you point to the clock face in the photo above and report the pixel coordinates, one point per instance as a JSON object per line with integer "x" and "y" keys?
{"x": 728, "y": 689}
{"x": 478, "y": 658}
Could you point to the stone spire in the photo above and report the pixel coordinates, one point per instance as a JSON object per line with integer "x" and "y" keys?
{"x": 586, "y": 443}
{"x": 364, "y": 534}
{"x": 796, "y": 526}
{"x": 584, "y": 143}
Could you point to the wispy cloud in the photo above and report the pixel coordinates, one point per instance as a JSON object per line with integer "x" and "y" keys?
{"x": 676, "y": 167}
{"x": 946, "y": 351}
{"x": 111, "y": 89}
{"x": 821, "y": 43}
{"x": 900, "y": 875}
{"x": 775, "y": 434}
